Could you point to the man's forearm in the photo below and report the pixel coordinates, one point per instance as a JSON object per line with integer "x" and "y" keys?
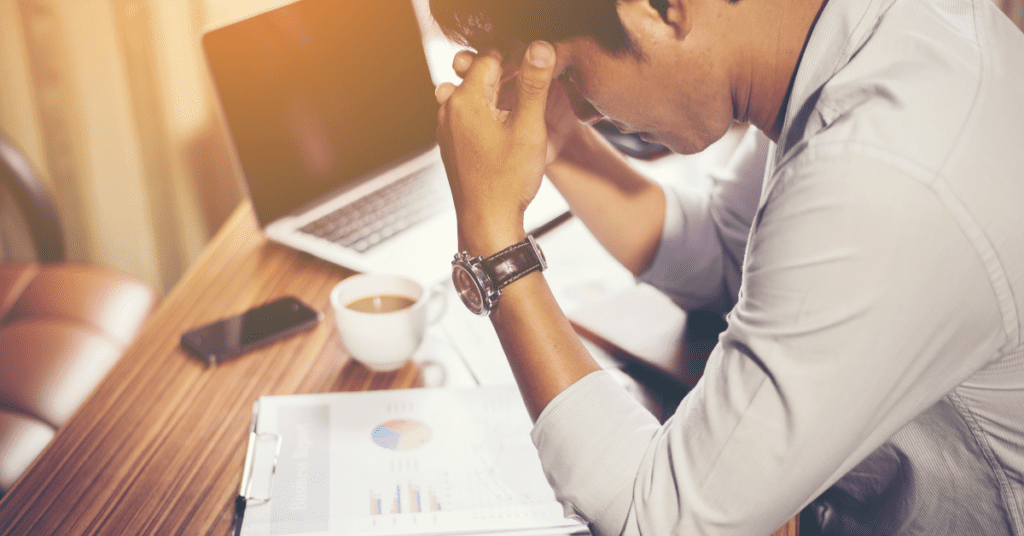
{"x": 544, "y": 352}
{"x": 621, "y": 207}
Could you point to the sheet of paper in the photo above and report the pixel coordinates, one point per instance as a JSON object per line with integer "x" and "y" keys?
{"x": 473, "y": 338}
{"x": 640, "y": 320}
{"x": 580, "y": 271}
{"x": 413, "y": 461}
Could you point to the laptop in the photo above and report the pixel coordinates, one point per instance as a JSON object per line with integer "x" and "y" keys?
{"x": 330, "y": 105}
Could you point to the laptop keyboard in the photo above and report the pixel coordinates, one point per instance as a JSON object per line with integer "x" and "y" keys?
{"x": 384, "y": 213}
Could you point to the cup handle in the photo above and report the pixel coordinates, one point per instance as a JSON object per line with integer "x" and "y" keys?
{"x": 437, "y": 303}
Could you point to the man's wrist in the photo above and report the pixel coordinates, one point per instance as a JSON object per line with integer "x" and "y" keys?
{"x": 479, "y": 281}
{"x": 485, "y": 247}
{"x": 484, "y": 239}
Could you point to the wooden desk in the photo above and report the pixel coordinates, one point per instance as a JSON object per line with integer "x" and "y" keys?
{"x": 158, "y": 447}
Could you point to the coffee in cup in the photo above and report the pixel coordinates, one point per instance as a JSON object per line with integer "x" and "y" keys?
{"x": 381, "y": 303}
{"x": 382, "y": 318}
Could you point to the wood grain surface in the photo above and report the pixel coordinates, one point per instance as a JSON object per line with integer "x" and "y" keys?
{"x": 158, "y": 447}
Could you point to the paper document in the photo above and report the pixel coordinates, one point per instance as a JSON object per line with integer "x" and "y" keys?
{"x": 640, "y": 320}
{"x": 642, "y": 326}
{"x": 411, "y": 461}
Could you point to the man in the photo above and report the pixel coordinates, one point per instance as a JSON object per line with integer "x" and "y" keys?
{"x": 872, "y": 270}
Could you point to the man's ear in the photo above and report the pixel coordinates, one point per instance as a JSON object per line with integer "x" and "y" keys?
{"x": 668, "y": 15}
{"x": 674, "y": 13}
{"x": 661, "y": 6}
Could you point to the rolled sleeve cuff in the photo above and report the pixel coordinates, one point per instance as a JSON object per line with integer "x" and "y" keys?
{"x": 664, "y": 267}
{"x": 688, "y": 264}
{"x": 591, "y": 439}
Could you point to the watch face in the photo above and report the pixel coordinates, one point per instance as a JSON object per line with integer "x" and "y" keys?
{"x": 467, "y": 289}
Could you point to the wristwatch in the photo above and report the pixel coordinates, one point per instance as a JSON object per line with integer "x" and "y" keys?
{"x": 479, "y": 281}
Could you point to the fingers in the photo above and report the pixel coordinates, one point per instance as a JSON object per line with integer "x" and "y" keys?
{"x": 463, "y": 60}
{"x": 534, "y": 80}
{"x": 484, "y": 73}
{"x": 483, "y": 77}
{"x": 443, "y": 92}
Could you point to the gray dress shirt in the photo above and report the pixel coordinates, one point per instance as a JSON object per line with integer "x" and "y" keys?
{"x": 873, "y": 274}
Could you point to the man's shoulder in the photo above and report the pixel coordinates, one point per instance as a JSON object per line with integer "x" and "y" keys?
{"x": 931, "y": 78}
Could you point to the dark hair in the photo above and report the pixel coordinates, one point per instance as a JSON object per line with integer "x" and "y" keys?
{"x": 485, "y": 24}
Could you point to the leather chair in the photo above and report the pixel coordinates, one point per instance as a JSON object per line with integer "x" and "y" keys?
{"x": 63, "y": 325}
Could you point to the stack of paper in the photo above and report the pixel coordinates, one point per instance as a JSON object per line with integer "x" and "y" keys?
{"x": 413, "y": 461}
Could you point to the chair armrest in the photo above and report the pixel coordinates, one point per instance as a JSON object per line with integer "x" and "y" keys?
{"x": 37, "y": 206}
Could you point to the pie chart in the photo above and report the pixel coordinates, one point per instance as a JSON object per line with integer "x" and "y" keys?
{"x": 400, "y": 434}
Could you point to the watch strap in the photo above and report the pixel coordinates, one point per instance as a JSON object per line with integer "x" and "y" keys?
{"x": 514, "y": 262}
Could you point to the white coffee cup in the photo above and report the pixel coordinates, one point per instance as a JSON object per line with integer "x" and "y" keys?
{"x": 384, "y": 340}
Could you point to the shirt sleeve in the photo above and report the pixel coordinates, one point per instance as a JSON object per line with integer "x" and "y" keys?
{"x": 705, "y": 233}
{"x": 863, "y": 303}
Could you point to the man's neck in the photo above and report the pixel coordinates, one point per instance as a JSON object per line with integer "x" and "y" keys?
{"x": 774, "y": 35}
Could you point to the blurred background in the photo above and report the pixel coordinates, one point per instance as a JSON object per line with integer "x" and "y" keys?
{"x": 112, "y": 103}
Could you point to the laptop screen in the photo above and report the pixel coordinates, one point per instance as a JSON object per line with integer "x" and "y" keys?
{"x": 319, "y": 93}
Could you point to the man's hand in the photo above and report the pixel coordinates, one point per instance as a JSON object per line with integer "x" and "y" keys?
{"x": 495, "y": 158}
{"x": 560, "y": 118}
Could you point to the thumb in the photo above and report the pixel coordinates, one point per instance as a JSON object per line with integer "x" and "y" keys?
{"x": 534, "y": 80}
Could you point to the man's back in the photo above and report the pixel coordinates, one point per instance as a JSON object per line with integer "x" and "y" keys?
{"x": 925, "y": 104}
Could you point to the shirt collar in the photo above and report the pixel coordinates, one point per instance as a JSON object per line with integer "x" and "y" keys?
{"x": 841, "y": 29}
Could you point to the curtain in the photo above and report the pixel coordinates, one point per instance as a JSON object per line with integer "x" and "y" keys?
{"x": 110, "y": 99}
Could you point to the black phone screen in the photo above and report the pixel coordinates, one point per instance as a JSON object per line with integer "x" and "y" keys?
{"x": 258, "y": 326}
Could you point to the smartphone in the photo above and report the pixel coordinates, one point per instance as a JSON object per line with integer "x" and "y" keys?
{"x": 256, "y": 327}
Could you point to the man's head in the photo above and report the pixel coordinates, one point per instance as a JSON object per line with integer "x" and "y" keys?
{"x": 486, "y": 24}
{"x": 678, "y": 72}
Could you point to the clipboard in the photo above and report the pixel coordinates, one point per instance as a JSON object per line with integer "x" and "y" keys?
{"x": 396, "y": 462}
